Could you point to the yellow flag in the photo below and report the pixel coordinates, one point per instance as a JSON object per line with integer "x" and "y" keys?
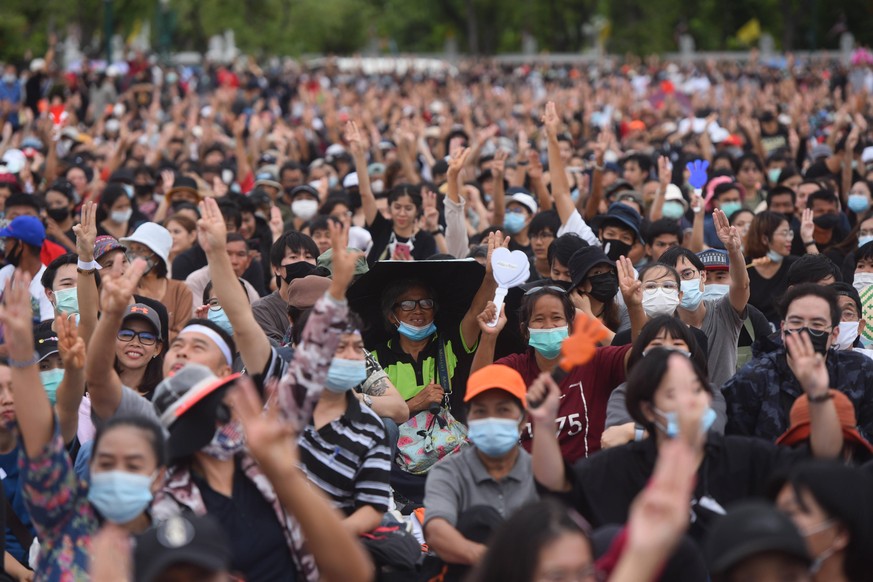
{"x": 750, "y": 32}
{"x": 137, "y": 27}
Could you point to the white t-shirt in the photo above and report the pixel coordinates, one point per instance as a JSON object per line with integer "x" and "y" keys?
{"x": 37, "y": 292}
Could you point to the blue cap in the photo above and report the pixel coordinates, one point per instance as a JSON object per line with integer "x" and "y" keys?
{"x": 27, "y": 229}
{"x": 714, "y": 259}
{"x": 625, "y": 215}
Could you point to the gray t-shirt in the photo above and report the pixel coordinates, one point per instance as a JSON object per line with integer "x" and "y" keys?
{"x": 271, "y": 313}
{"x": 132, "y": 404}
{"x": 617, "y": 414}
{"x": 722, "y": 325}
{"x": 461, "y": 481}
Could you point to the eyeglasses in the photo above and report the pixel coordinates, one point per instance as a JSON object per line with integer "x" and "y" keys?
{"x": 789, "y": 234}
{"x": 410, "y": 304}
{"x": 214, "y": 304}
{"x": 689, "y": 274}
{"x": 146, "y": 338}
{"x": 666, "y": 285}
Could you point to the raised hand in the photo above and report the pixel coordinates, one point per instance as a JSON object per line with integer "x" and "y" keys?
{"x": 727, "y": 234}
{"x": 498, "y": 164}
{"x": 168, "y": 178}
{"x": 355, "y": 140}
{"x": 211, "y": 228}
{"x": 487, "y": 316}
{"x": 70, "y": 346}
{"x": 457, "y": 161}
{"x": 543, "y": 400}
{"x": 86, "y": 232}
{"x": 535, "y": 166}
{"x": 698, "y": 173}
{"x": 631, "y": 287}
{"x": 551, "y": 120}
{"x": 277, "y": 225}
{"x": 343, "y": 259}
{"x": 807, "y": 227}
{"x": 116, "y": 291}
{"x": 807, "y": 364}
{"x": 665, "y": 172}
{"x": 16, "y": 313}
{"x": 495, "y": 241}
{"x": 430, "y": 214}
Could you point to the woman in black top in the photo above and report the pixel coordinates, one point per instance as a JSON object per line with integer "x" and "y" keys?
{"x": 662, "y": 385}
{"x": 768, "y": 246}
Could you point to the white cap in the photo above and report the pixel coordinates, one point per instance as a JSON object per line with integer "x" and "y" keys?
{"x": 334, "y": 150}
{"x": 674, "y": 193}
{"x": 351, "y": 180}
{"x": 37, "y": 65}
{"x": 155, "y": 237}
{"x": 525, "y": 200}
{"x": 867, "y": 155}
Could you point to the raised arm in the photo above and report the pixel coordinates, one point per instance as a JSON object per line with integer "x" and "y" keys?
{"x": 254, "y": 346}
{"x": 560, "y": 185}
{"x": 807, "y": 228}
{"x": 457, "y": 239}
{"x": 359, "y": 154}
{"x": 86, "y": 280}
{"x": 72, "y": 386}
{"x": 730, "y": 237}
{"x": 632, "y": 291}
{"x": 469, "y": 325}
{"x": 104, "y": 384}
{"x": 488, "y": 340}
{"x": 548, "y": 464}
{"x": 592, "y": 207}
{"x": 32, "y": 407}
{"x": 695, "y": 245}
{"x": 273, "y": 443}
{"x": 825, "y": 432}
{"x": 656, "y": 212}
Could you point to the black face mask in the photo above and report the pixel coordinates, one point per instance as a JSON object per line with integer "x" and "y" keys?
{"x": 297, "y": 270}
{"x": 143, "y": 189}
{"x": 58, "y": 214}
{"x": 827, "y": 221}
{"x": 603, "y": 286}
{"x": 615, "y": 248}
{"x": 818, "y": 339}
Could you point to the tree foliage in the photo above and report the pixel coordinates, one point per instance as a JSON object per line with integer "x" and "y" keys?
{"x": 293, "y": 27}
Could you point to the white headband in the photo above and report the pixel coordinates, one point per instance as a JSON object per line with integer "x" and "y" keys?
{"x": 211, "y": 334}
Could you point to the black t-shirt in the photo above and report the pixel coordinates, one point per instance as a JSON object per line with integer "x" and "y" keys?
{"x": 188, "y": 261}
{"x": 257, "y": 542}
{"x": 382, "y": 231}
{"x": 765, "y": 293}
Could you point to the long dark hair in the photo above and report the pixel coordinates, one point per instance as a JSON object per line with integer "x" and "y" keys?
{"x": 154, "y": 433}
{"x": 676, "y": 329}
{"x": 514, "y": 551}
{"x": 153, "y": 374}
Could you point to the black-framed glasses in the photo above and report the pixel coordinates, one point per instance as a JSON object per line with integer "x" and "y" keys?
{"x": 146, "y": 338}
{"x": 214, "y": 304}
{"x": 410, "y": 304}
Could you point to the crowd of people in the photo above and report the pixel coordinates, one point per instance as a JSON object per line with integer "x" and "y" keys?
{"x": 255, "y": 325}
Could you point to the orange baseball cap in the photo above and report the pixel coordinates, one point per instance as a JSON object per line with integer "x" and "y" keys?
{"x": 798, "y": 431}
{"x": 495, "y": 377}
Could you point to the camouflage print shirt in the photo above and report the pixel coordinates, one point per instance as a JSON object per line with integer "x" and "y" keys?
{"x": 760, "y": 396}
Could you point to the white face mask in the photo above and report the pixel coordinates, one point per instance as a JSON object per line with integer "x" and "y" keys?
{"x": 862, "y": 281}
{"x": 848, "y": 335}
{"x": 660, "y": 301}
{"x": 304, "y": 209}
{"x": 121, "y": 216}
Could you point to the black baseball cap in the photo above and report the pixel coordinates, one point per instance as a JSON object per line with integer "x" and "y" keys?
{"x": 749, "y": 529}
{"x": 182, "y": 539}
{"x": 45, "y": 342}
{"x": 584, "y": 260}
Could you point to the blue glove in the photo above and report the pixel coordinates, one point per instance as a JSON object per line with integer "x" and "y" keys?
{"x": 698, "y": 173}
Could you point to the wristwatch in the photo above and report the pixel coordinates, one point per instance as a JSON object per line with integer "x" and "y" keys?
{"x": 367, "y": 400}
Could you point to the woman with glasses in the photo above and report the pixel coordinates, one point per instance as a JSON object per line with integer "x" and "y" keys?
{"x": 768, "y": 246}
{"x": 546, "y": 316}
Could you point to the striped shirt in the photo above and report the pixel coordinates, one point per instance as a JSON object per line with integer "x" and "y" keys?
{"x": 349, "y": 458}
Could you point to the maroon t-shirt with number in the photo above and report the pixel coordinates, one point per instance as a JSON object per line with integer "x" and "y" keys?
{"x": 584, "y": 395}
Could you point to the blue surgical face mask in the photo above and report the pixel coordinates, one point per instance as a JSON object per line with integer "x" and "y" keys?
{"x": 774, "y": 256}
{"x": 50, "y": 381}
{"x": 671, "y": 428}
{"x": 713, "y": 291}
{"x": 858, "y": 203}
{"x": 493, "y": 436}
{"x": 416, "y": 333}
{"x": 730, "y": 207}
{"x": 574, "y": 195}
{"x": 513, "y": 222}
{"x": 862, "y": 240}
{"x": 773, "y": 174}
{"x": 673, "y": 209}
{"x": 120, "y": 496}
{"x": 128, "y": 189}
{"x": 344, "y": 374}
{"x": 67, "y": 301}
{"x": 219, "y": 318}
{"x": 547, "y": 342}
{"x": 691, "y": 294}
